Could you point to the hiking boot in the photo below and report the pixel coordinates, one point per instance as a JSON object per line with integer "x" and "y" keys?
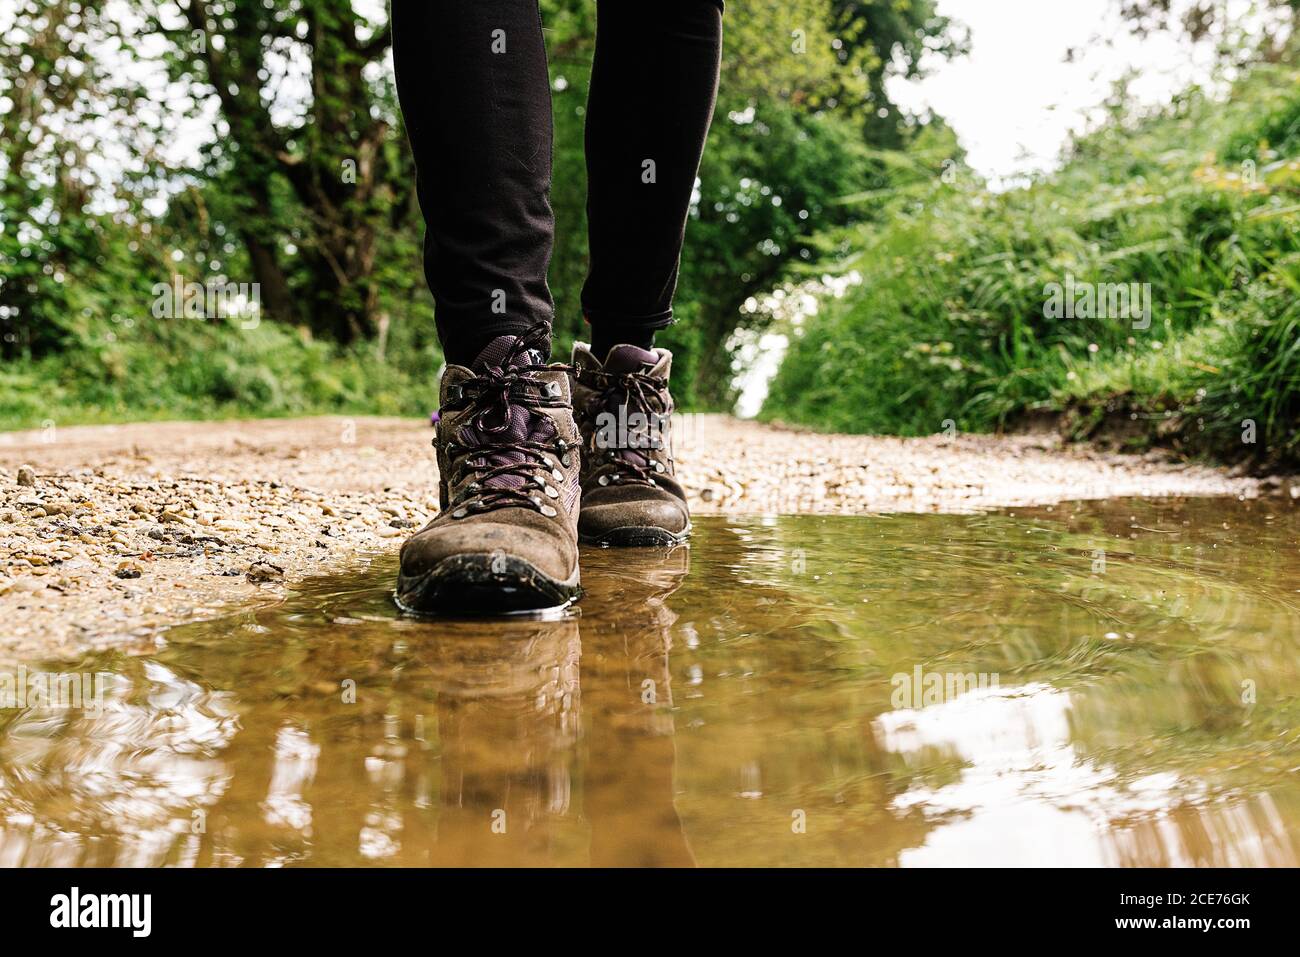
{"x": 624, "y": 412}
{"x": 506, "y": 538}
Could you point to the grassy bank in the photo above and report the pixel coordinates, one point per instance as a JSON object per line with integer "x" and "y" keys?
{"x": 191, "y": 369}
{"x": 951, "y": 327}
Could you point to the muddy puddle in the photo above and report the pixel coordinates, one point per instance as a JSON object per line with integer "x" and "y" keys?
{"x": 1113, "y": 683}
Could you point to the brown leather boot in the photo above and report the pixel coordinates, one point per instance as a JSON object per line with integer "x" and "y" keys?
{"x": 508, "y": 462}
{"x": 624, "y": 411}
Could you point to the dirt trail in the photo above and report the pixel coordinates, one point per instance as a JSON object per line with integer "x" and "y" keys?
{"x": 126, "y": 529}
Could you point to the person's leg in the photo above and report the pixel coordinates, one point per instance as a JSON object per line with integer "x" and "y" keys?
{"x": 475, "y": 94}
{"x": 653, "y": 88}
{"x": 654, "y": 83}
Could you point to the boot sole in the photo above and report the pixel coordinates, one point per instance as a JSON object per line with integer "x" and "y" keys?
{"x": 636, "y": 536}
{"x": 490, "y": 585}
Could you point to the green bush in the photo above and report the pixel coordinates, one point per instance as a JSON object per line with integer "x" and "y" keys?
{"x": 179, "y": 369}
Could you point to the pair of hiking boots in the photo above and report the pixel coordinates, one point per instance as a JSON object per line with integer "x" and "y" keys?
{"x": 532, "y": 459}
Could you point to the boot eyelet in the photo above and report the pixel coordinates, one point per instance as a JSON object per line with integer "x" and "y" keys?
{"x": 549, "y": 512}
{"x": 659, "y": 466}
{"x": 553, "y": 389}
{"x": 566, "y": 461}
{"x": 551, "y": 491}
{"x": 557, "y": 475}
{"x": 460, "y": 513}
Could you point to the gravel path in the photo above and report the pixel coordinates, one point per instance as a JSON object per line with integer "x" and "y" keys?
{"x": 110, "y": 533}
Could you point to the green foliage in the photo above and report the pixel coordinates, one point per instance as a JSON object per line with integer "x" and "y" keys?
{"x": 880, "y": 38}
{"x": 950, "y": 320}
{"x": 182, "y": 368}
{"x": 781, "y": 152}
{"x": 808, "y": 164}
{"x": 303, "y": 184}
{"x": 786, "y": 50}
{"x": 767, "y": 184}
{"x": 60, "y": 254}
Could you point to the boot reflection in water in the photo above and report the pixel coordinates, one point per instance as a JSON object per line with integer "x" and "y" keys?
{"x": 507, "y": 713}
{"x": 514, "y": 786}
{"x": 629, "y": 726}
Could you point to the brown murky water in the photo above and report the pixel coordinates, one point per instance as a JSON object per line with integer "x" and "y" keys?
{"x": 1106, "y": 683}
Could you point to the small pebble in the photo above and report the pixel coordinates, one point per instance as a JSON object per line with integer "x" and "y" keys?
{"x": 264, "y": 572}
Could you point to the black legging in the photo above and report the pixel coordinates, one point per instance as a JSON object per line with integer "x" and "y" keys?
{"x": 474, "y": 89}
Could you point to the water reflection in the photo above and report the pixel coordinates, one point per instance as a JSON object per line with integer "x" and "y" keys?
{"x": 1024, "y": 783}
{"x": 741, "y": 712}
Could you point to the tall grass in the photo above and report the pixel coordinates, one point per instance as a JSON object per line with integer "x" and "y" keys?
{"x": 1200, "y": 201}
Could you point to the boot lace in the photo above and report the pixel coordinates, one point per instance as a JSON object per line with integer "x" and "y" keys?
{"x": 506, "y": 470}
{"x": 630, "y": 461}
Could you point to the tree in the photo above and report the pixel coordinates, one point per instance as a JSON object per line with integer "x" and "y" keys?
{"x": 877, "y": 39}
{"x": 309, "y": 192}
{"x": 71, "y": 239}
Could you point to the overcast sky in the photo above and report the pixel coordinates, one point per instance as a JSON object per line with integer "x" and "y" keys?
{"x": 1014, "y": 99}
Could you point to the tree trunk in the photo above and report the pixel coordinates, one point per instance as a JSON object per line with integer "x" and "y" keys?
{"x": 276, "y": 298}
